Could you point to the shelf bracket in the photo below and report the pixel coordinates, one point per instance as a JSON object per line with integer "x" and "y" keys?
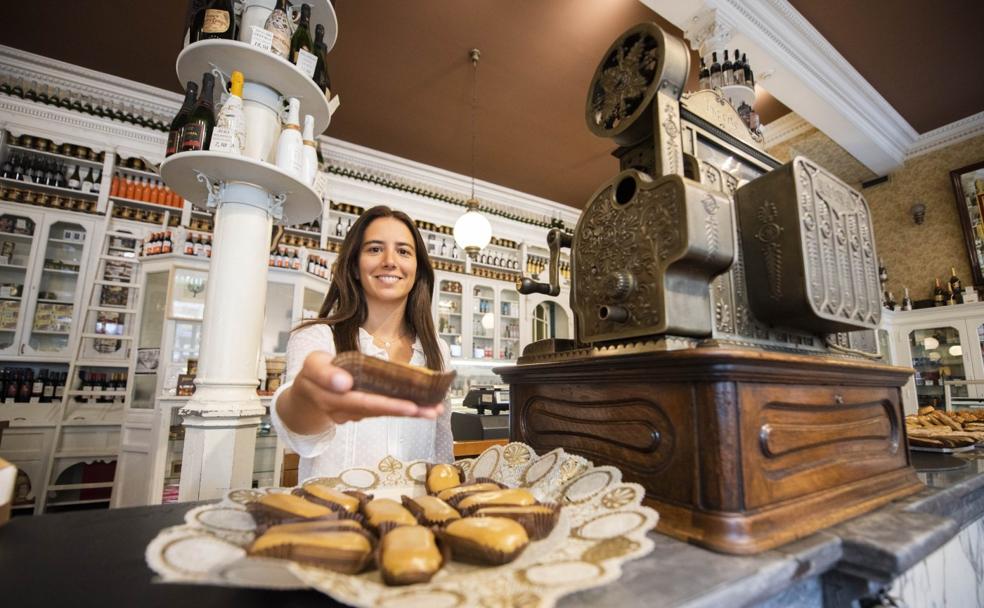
{"x": 214, "y": 190}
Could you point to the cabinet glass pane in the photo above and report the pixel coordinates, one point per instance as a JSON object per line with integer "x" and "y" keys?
{"x": 54, "y": 313}
{"x": 150, "y": 334}
{"x": 483, "y": 322}
{"x": 508, "y": 324}
{"x": 279, "y": 317}
{"x": 16, "y": 238}
{"x": 312, "y": 303}
{"x": 449, "y": 315}
{"x": 937, "y": 355}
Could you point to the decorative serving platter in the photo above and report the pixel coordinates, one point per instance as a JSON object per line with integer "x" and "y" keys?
{"x": 602, "y": 525}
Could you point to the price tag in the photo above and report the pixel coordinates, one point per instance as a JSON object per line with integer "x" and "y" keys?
{"x": 261, "y": 39}
{"x": 320, "y": 185}
{"x": 306, "y": 62}
{"x": 223, "y": 141}
{"x": 333, "y": 104}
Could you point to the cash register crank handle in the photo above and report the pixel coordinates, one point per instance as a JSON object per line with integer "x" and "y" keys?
{"x": 556, "y": 239}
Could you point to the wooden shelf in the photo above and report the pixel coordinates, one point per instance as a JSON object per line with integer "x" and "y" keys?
{"x": 466, "y": 449}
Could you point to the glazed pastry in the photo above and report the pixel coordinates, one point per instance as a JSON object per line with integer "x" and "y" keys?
{"x": 538, "y": 520}
{"x": 485, "y": 540}
{"x": 441, "y": 477}
{"x": 451, "y": 493}
{"x": 341, "y": 550}
{"x": 430, "y": 510}
{"x": 418, "y": 384}
{"x": 385, "y": 510}
{"x": 316, "y": 525}
{"x": 273, "y": 509}
{"x": 512, "y": 496}
{"x": 407, "y": 555}
{"x": 331, "y": 498}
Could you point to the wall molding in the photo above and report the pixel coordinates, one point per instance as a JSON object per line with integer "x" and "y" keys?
{"x": 785, "y": 128}
{"x": 948, "y": 135}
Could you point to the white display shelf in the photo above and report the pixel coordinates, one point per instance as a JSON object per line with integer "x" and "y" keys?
{"x": 738, "y": 94}
{"x": 69, "y": 160}
{"x": 14, "y": 235}
{"x": 132, "y": 202}
{"x": 179, "y": 172}
{"x": 257, "y": 66}
{"x": 48, "y": 189}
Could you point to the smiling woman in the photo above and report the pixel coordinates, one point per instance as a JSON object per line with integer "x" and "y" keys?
{"x": 379, "y": 303}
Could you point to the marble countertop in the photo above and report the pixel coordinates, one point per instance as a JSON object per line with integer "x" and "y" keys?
{"x": 877, "y": 546}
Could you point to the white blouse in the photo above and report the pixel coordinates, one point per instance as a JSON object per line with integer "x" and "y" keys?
{"x": 363, "y": 443}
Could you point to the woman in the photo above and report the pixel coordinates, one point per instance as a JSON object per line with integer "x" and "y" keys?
{"x": 379, "y": 303}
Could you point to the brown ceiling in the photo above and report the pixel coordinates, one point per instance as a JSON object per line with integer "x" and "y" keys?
{"x": 403, "y": 73}
{"x": 923, "y": 57}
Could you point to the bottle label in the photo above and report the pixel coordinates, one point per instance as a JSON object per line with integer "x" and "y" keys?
{"x": 306, "y": 62}
{"x": 216, "y": 21}
{"x": 193, "y": 136}
{"x": 172, "y": 142}
{"x": 223, "y": 141}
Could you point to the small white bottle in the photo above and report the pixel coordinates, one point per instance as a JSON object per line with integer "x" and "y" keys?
{"x": 231, "y": 116}
{"x": 310, "y": 152}
{"x": 290, "y": 145}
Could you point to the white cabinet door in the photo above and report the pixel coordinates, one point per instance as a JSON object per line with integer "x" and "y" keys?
{"x": 20, "y": 238}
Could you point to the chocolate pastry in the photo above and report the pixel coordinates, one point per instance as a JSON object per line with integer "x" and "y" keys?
{"x": 408, "y": 555}
{"x": 418, "y": 384}
{"x": 430, "y": 510}
{"x": 537, "y": 520}
{"x": 485, "y": 540}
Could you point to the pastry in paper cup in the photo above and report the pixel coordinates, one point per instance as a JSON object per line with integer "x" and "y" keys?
{"x": 407, "y": 555}
{"x": 386, "y": 510}
{"x": 372, "y": 375}
{"x": 430, "y": 510}
{"x": 442, "y": 476}
{"x": 340, "y": 549}
{"x": 489, "y": 541}
{"x": 538, "y": 520}
{"x": 281, "y": 508}
{"x": 452, "y": 495}
{"x": 346, "y": 503}
{"x": 470, "y": 502}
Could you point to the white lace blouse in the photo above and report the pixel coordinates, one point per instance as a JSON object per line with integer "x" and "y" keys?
{"x": 365, "y": 442}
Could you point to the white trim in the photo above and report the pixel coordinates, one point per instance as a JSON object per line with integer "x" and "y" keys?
{"x": 947, "y": 135}
{"x": 785, "y": 128}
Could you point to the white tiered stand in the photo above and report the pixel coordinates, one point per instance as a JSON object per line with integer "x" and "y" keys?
{"x": 247, "y": 197}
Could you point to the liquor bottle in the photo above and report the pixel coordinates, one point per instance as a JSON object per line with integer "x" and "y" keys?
{"x": 213, "y": 19}
{"x": 739, "y": 70}
{"x": 955, "y": 285}
{"x": 60, "y": 386}
{"x": 704, "y": 77}
{"x": 950, "y": 297}
{"x": 87, "y": 181}
{"x": 749, "y": 75}
{"x": 939, "y": 296}
{"x": 338, "y": 228}
{"x": 174, "y": 135}
{"x": 37, "y": 386}
{"x": 727, "y": 71}
{"x": 189, "y": 246}
{"x": 207, "y": 247}
{"x": 10, "y": 392}
{"x": 231, "y": 115}
{"x": 889, "y": 300}
{"x": 24, "y": 387}
{"x": 309, "y": 154}
{"x": 906, "y": 300}
{"x": 48, "y": 388}
{"x": 197, "y": 131}
{"x": 166, "y": 244}
{"x": 199, "y": 245}
{"x": 74, "y": 181}
{"x": 301, "y": 40}
{"x": 278, "y": 24}
{"x": 321, "y": 52}
{"x": 290, "y": 144}
{"x": 95, "y": 177}
{"x": 715, "y": 72}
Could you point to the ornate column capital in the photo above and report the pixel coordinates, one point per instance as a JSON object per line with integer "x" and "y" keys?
{"x": 708, "y": 31}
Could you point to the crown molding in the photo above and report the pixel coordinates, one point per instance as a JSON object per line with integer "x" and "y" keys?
{"x": 947, "y": 135}
{"x": 785, "y": 128}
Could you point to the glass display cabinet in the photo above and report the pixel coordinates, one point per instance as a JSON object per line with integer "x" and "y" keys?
{"x": 448, "y": 310}
{"x": 937, "y": 356}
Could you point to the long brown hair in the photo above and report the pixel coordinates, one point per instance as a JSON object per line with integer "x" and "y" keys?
{"x": 345, "y": 309}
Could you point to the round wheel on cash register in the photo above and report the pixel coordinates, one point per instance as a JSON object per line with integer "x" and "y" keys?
{"x": 640, "y": 63}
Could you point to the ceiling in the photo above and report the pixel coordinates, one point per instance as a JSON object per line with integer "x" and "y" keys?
{"x": 405, "y": 80}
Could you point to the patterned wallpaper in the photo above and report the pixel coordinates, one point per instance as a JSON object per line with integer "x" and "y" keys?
{"x": 914, "y": 254}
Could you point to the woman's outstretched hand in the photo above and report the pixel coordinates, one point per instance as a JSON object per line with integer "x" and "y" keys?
{"x": 322, "y": 394}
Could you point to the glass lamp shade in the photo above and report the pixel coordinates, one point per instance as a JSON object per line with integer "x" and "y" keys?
{"x": 472, "y": 231}
{"x": 931, "y": 343}
{"x": 488, "y": 321}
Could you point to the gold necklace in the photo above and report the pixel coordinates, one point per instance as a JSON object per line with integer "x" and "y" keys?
{"x": 390, "y": 342}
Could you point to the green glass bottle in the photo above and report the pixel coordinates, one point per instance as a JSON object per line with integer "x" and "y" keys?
{"x": 301, "y": 40}
{"x": 197, "y": 132}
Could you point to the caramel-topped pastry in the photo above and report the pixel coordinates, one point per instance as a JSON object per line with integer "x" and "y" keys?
{"x": 274, "y": 509}
{"x": 341, "y": 550}
{"x": 513, "y": 509}
{"x": 486, "y": 540}
{"x": 441, "y": 477}
{"x": 331, "y": 497}
{"x": 385, "y": 510}
{"x": 431, "y": 510}
{"x": 450, "y": 493}
{"x": 512, "y": 496}
{"x": 409, "y": 554}
{"x": 538, "y": 520}
{"x": 317, "y": 525}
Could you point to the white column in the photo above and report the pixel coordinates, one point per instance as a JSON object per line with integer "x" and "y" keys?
{"x": 222, "y": 417}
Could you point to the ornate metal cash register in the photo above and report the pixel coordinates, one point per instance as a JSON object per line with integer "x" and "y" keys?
{"x": 725, "y": 304}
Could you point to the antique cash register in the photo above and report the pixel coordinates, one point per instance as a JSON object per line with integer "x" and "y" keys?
{"x": 724, "y": 355}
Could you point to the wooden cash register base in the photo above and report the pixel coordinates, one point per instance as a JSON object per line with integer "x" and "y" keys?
{"x": 739, "y": 450}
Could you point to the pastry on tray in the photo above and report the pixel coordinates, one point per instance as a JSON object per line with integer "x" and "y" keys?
{"x": 408, "y": 555}
{"x": 489, "y": 541}
{"x": 418, "y": 384}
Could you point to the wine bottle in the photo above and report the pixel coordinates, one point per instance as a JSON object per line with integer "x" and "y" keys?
{"x": 231, "y": 116}
{"x": 309, "y": 154}
{"x": 739, "y": 71}
{"x": 278, "y": 24}
{"x": 74, "y": 182}
{"x": 906, "y": 300}
{"x": 321, "y": 52}
{"x": 951, "y": 298}
{"x": 174, "y": 134}
{"x": 704, "y": 77}
{"x": 301, "y": 40}
{"x": 749, "y": 75}
{"x": 727, "y": 71}
{"x": 290, "y": 144}
{"x": 715, "y": 72}
{"x": 212, "y": 20}
{"x": 197, "y": 131}
{"x": 87, "y": 182}
{"x": 955, "y": 284}
{"x": 939, "y": 296}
